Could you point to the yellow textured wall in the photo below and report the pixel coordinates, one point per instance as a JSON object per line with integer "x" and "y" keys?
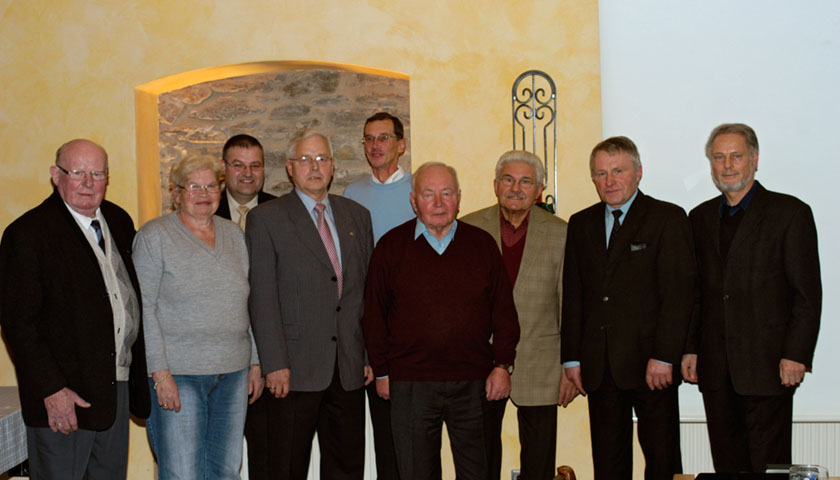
{"x": 68, "y": 69}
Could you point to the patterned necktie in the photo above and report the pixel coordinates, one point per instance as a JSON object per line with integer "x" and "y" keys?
{"x": 243, "y": 211}
{"x": 98, "y": 229}
{"x": 326, "y": 237}
{"x": 615, "y": 227}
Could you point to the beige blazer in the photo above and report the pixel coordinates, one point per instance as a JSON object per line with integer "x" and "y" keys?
{"x": 537, "y": 295}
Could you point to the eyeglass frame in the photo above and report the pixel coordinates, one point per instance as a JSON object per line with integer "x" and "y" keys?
{"x": 241, "y": 167}
{"x": 381, "y": 138}
{"x": 307, "y": 160}
{"x": 80, "y": 175}
{"x": 195, "y": 190}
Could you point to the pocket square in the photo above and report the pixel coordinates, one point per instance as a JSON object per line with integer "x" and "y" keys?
{"x": 635, "y": 247}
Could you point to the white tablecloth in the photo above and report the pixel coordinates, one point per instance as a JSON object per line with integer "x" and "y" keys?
{"x": 12, "y": 430}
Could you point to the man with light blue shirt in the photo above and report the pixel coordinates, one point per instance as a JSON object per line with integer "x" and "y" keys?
{"x": 628, "y": 284}
{"x": 385, "y": 194}
{"x": 309, "y": 256}
{"x": 385, "y": 191}
{"x": 437, "y": 291}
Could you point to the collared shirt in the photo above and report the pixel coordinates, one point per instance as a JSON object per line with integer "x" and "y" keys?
{"x": 609, "y": 219}
{"x": 109, "y": 277}
{"x": 513, "y": 244}
{"x": 234, "y": 206}
{"x": 510, "y": 234}
{"x": 400, "y": 173}
{"x": 309, "y": 203}
{"x": 438, "y": 245}
{"x": 731, "y": 210}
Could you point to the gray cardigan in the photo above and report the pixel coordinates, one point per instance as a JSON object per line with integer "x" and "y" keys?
{"x": 195, "y": 298}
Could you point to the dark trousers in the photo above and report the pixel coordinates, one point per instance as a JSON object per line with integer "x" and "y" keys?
{"x": 537, "y": 440}
{"x": 611, "y": 425}
{"x": 84, "y": 454}
{"x": 338, "y": 417}
{"x": 747, "y": 433}
{"x": 418, "y": 411}
{"x": 383, "y": 440}
{"x": 257, "y": 435}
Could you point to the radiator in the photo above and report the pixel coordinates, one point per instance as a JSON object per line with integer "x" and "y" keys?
{"x": 815, "y": 442}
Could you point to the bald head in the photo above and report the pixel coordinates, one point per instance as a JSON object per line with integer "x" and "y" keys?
{"x": 74, "y": 178}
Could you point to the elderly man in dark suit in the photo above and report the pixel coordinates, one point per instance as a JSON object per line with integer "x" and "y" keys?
{"x": 309, "y": 257}
{"x": 759, "y": 314}
{"x": 628, "y": 287}
{"x": 244, "y": 164}
{"x": 70, "y": 312}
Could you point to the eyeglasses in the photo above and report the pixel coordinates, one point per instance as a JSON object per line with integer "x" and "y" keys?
{"x": 370, "y": 139}
{"x": 195, "y": 190}
{"x": 239, "y": 167}
{"x": 307, "y": 160}
{"x": 79, "y": 175}
{"x": 509, "y": 181}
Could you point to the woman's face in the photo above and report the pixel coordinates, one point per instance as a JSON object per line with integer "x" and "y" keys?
{"x": 199, "y": 196}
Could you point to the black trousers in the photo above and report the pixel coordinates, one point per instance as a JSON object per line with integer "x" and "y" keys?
{"x": 338, "y": 417}
{"x": 747, "y": 433}
{"x": 418, "y": 411}
{"x": 84, "y": 454}
{"x": 611, "y": 425}
{"x": 537, "y": 440}
{"x": 257, "y": 435}
{"x": 383, "y": 440}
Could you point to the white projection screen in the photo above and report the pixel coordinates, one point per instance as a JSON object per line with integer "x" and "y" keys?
{"x": 673, "y": 70}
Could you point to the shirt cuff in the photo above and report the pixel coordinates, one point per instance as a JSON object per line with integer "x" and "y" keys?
{"x": 573, "y": 363}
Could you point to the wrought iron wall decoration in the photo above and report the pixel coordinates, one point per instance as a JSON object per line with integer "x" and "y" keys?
{"x": 534, "y": 114}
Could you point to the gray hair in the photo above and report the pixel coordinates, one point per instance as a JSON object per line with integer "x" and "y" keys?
{"x": 522, "y": 156}
{"x": 60, "y": 152}
{"x": 428, "y": 165}
{"x": 303, "y": 135}
{"x": 737, "y": 128}
{"x": 614, "y": 145}
{"x": 193, "y": 163}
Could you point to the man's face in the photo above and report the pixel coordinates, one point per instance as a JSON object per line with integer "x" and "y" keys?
{"x": 382, "y": 154}
{"x": 436, "y": 198}
{"x": 733, "y": 169}
{"x": 311, "y": 177}
{"x": 615, "y": 177}
{"x": 517, "y": 188}
{"x": 85, "y": 195}
{"x": 244, "y": 173}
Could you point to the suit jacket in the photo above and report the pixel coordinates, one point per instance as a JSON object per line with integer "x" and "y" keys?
{"x": 57, "y": 317}
{"x": 224, "y": 209}
{"x": 296, "y": 316}
{"x": 623, "y": 308}
{"x": 760, "y": 304}
{"x": 537, "y": 294}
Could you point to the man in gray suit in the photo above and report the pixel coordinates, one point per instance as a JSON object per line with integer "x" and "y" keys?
{"x": 309, "y": 256}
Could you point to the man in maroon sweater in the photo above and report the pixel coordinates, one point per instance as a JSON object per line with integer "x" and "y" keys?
{"x": 436, "y": 292}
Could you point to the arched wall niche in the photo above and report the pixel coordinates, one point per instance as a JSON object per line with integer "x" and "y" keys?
{"x": 196, "y": 112}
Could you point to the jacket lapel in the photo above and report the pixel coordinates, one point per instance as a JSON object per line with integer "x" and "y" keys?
{"x": 628, "y": 229}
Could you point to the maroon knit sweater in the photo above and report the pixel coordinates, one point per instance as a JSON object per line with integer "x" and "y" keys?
{"x": 430, "y": 317}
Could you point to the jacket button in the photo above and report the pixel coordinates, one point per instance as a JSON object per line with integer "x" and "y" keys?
{"x": 334, "y": 279}
{"x": 725, "y": 297}
{"x": 334, "y": 339}
{"x": 338, "y": 308}
{"x": 605, "y": 298}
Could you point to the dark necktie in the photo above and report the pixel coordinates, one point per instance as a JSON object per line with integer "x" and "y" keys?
{"x": 326, "y": 237}
{"x": 99, "y": 238}
{"x": 615, "y": 227}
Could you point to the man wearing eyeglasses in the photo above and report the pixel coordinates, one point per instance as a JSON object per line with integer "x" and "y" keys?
{"x": 385, "y": 194}
{"x": 309, "y": 257}
{"x": 70, "y": 313}
{"x": 244, "y": 164}
{"x": 531, "y": 241}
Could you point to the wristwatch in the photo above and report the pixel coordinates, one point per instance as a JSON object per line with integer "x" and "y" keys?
{"x": 505, "y": 366}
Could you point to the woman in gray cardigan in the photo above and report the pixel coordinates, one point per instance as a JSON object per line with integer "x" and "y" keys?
{"x": 193, "y": 272}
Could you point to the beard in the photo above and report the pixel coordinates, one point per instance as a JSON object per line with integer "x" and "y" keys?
{"x": 733, "y": 187}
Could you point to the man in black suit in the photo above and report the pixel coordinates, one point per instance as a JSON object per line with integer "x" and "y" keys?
{"x": 627, "y": 297}
{"x": 754, "y": 335}
{"x": 244, "y": 163}
{"x": 70, "y": 312}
